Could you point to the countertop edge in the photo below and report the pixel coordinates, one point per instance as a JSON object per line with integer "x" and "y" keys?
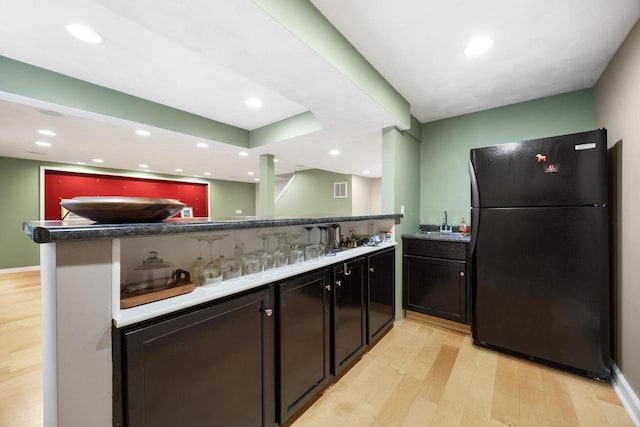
{"x": 56, "y": 231}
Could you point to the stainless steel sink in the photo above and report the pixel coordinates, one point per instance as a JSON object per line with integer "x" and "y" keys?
{"x": 444, "y": 235}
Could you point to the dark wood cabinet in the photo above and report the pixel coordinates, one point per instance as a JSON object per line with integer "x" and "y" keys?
{"x": 381, "y": 293}
{"x": 304, "y": 332}
{"x": 349, "y": 313}
{"x": 209, "y": 367}
{"x": 257, "y": 358}
{"x": 434, "y": 279}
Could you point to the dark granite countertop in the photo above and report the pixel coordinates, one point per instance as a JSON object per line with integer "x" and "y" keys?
{"x": 431, "y": 232}
{"x": 56, "y": 231}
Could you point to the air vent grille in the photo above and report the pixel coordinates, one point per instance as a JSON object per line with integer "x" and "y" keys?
{"x": 339, "y": 190}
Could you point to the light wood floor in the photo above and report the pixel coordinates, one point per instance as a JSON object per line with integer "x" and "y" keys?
{"x": 417, "y": 375}
{"x": 20, "y": 350}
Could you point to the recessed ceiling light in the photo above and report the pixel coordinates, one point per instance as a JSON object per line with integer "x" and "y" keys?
{"x": 250, "y": 173}
{"x": 207, "y": 173}
{"x": 478, "y": 45}
{"x": 43, "y": 143}
{"x": 143, "y": 132}
{"x": 243, "y": 154}
{"x": 366, "y": 172}
{"x": 275, "y": 160}
{"x": 46, "y": 132}
{"x": 143, "y": 166}
{"x": 98, "y": 160}
{"x": 179, "y": 170}
{"x": 84, "y": 33}
{"x": 202, "y": 145}
{"x": 256, "y": 179}
{"x": 254, "y": 102}
{"x": 80, "y": 163}
{"x": 334, "y": 152}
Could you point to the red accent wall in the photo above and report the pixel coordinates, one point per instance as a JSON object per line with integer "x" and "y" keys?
{"x": 66, "y": 185}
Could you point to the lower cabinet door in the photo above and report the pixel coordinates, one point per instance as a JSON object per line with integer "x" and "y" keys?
{"x": 209, "y": 367}
{"x": 381, "y": 295}
{"x": 435, "y": 286}
{"x": 303, "y": 339}
{"x": 349, "y": 313}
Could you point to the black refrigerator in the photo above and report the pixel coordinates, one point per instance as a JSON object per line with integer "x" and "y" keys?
{"x": 540, "y": 250}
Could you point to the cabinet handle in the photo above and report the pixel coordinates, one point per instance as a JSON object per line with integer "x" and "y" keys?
{"x": 345, "y": 268}
{"x": 371, "y": 269}
{"x": 328, "y": 287}
{"x": 339, "y": 283}
{"x": 268, "y": 312}
{"x": 462, "y": 274}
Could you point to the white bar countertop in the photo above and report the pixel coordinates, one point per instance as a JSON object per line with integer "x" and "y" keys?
{"x": 203, "y": 294}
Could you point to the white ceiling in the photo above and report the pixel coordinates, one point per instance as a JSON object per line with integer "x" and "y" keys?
{"x": 206, "y": 57}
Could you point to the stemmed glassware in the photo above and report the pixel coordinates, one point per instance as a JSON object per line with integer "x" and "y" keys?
{"x": 211, "y": 274}
{"x": 199, "y": 264}
{"x": 323, "y": 239}
{"x": 282, "y": 252}
{"x": 267, "y": 257}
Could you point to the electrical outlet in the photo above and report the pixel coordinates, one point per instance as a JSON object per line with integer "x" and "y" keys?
{"x": 238, "y": 211}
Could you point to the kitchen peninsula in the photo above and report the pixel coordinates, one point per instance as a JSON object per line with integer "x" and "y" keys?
{"x": 84, "y": 264}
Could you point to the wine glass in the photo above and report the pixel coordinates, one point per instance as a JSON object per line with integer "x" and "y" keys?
{"x": 210, "y": 275}
{"x": 281, "y": 254}
{"x": 267, "y": 258}
{"x": 199, "y": 263}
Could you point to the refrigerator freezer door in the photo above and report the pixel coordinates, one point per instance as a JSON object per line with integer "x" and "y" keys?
{"x": 567, "y": 170}
{"x": 542, "y": 285}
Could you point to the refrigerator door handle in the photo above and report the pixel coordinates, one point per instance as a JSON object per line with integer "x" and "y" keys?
{"x": 475, "y": 227}
{"x": 475, "y": 194}
{"x": 475, "y": 207}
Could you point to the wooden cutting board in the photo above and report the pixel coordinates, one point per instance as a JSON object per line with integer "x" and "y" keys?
{"x": 133, "y": 300}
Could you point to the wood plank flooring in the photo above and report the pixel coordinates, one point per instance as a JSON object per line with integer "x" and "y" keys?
{"x": 417, "y": 375}
{"x": 20, "y": 350}
{"x": 420, "y": 375}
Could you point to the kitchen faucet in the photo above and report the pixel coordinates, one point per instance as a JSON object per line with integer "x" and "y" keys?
{"x": 444, "y": 227}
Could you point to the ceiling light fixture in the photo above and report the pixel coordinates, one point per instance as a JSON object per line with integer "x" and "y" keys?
{"x": 478, "y": 45}
{"x": 46, "y": 132}
{"x": 207, "y": 173}
{"x": 275, "y": 160}
{"x": 251, "y": 173}
{"x": 143, "y": 166}
{"x": 80, "y": 163}
{"x": 366, "y": 172}
{"x": 334, "y": 152}
{"x": 43, "y": 143}
{"x": 256, "y": 179}
{"x": 98, "y": 160}
{"x": 84, "y": 33}
{"x": 202, "y": 145}
{"x": 243, "y": 154}
{"x": 179, "y": 170}
{"x": 254, "y": 102}
{"x": 143, "y": 132}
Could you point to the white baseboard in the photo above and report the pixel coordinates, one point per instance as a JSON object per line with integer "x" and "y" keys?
{"x": 19, "y": 269}
{"x": 626, "y": 394}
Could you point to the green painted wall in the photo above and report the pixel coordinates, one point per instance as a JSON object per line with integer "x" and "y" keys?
{"x": 37, "y": 83}
{"x": 617, "y": 108}
{"x": 19, "y": 183}
{"x": 444, "y": 152}
{"x": 401, "y": 188}
{"x": 311, "y": 193}
{"x": 20, "y": 193}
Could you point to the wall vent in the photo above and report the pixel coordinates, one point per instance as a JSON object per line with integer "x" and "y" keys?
{"x": 339, "y": 190}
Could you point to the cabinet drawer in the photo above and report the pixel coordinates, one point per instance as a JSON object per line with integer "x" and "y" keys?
{"x": 435, "y": 248}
